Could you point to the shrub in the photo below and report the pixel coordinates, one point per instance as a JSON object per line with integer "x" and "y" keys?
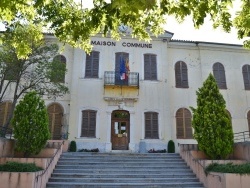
{"x": 228, "y": 168}
{"x": 72, "y": 146}
{"x": 171, "y": 146}
{"x": 211, "y": 122}
{"x": 19, "y": 167}
{"x": 30, "y": 124}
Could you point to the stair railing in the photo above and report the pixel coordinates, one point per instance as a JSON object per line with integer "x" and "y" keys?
{"x": 51, "y": 160}
{"x": 242, "y": 136}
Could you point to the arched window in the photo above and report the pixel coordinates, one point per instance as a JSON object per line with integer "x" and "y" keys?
{"x": 248, "y": 120}
{"x": 246, "y": 76}
{"x": 88, "y": 123}
{"x": 5, "y": 108}
{"x": 183, "y": 124}
{"x": 229, "y": 115}
{"x": 92, "y": 65}
{"x": 60, "y": 61}
{"x": 150, "y": 67}
{"x": 151, "y": 125}
{"x": 219, "y": 75}
{"x": 55, "y": 112}
{"x": 181, "y": 75}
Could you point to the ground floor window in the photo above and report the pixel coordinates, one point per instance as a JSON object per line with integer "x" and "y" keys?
{"x": 151, "y": 125}
{"x": 88, "y": 123}
{"x": 183, "y": 124}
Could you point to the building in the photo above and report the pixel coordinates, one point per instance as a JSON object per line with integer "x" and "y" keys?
{"x": 133, "y": 95}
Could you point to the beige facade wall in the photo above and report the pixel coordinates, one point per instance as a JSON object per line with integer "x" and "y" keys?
{"x": 159, "y": 96}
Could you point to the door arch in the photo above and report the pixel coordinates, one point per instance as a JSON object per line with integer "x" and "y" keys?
{"x": 120, "y": 130}
{"x": 55, "y": 112}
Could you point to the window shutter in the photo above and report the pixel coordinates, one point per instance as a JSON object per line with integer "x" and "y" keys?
{"x": 183, "y": 124}
{"x": 150, "y": 67}
{"x": 147, "y": 72}
{"x": 181, "y": 75}
{"x": 92, "y": 65}
{"x": 246, "y": 76}
{"x": 184, "y": 75}
{"x": 5, "y": 108}
{"x": 179, "y": 128}
{"x": 151, "y": 125}
{"x": 219, "y": 74}
{"x": 88, "y": 123}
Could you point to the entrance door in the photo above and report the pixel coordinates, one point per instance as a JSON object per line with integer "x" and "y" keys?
{"x": 55, "y": 121}
{"x": 120, "y": 130}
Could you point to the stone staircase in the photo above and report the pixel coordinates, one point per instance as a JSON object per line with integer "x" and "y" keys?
{"x": 107, "y": 170}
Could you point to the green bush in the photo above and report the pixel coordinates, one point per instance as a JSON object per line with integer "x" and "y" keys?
{"x": 228, "y": 168}
{"x": 72, "y": 147}
{"x": 211, "y": 121}
{"x": 31, "y": 124}
{"x": 171, "y": 147}
{"x": 19, "y": 167}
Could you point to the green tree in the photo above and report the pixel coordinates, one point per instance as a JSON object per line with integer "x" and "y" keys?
{"x": 31, "y": 124}
{"x": 211, "y": 122}
{"x": 38, "y": 71}
{"x": 72, "y": 23}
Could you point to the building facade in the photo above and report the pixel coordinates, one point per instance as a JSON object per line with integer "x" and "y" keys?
{"x": 133, "y": 95}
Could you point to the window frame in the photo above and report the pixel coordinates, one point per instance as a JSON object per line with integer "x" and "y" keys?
{"x": 220, "y": 75}
{"x": 183, "y": 124}
{"x": 181, "y": 75}
{"x": 94, "y": 60}
{"x": 246, "y": 76}
{"x": 90, "y": 123}
{"x": 150, "y": 67}
{"x": 151, "y": 125}
{"x": 60, "y": 59}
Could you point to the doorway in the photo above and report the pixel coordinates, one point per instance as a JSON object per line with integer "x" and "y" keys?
{"x": 55, "y": 112}
{"x": 120, "y": 130}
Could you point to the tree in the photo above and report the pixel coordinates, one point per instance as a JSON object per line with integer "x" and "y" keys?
{"x": 31, "y": 124}
{"x": 211, "y": 122}
{"x": 37, "y": 72}
{"x": 74, "y": 24}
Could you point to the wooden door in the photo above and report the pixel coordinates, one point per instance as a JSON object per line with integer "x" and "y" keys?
{"x": 120, "y": 130}
{"x": 55, "y": 121}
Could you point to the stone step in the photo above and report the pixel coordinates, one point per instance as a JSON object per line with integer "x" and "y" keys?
{"x": 119, "y": 185}
{"x": 123, "y": 164}
{"x": 123, "y": 180}
{"x": 122, "y": 167}
{"x": 115, "y": 170}
{"x": 118, "y": 175}
{"x": 120, "y": 159}
{"x": 123, "y": 171}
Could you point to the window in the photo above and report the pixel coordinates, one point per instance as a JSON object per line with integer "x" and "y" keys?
{"x": 183, "y": 124}
{"x": 92, "y": 65}
{"x": 150, "y": 67}
{"x": 12, "y": 71}
{"x": 151, "y": 125}
{"x": 246, "y": 76}
{"x": 248, "y": 120}
{"x": 219, "y": 74}
{"x": 5, "y": 109}
{"x": 88, "y": 123}
{"x": 181, "y": 75}
{"x": 229, "y": 116}
{"x": 59, "y": 62}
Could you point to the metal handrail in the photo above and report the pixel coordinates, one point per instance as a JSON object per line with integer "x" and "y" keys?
{"x": 114, "y": 78}
{"x": 242, "y": 136}
{"x": 51, "y": 160}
